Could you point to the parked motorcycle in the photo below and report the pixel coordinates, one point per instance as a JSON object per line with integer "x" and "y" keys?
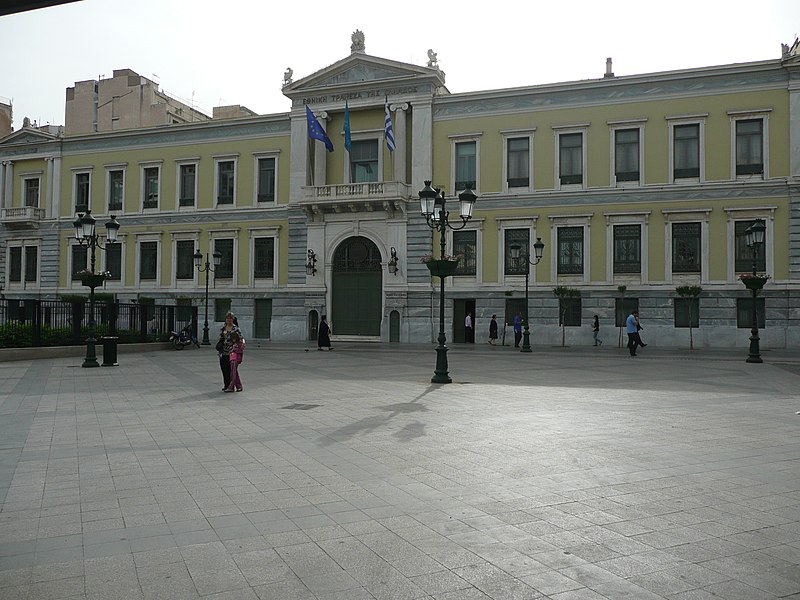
{"x": 181, "y": 339}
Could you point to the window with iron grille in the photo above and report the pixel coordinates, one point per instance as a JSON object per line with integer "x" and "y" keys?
{"x": 225, "y": 268}
{"x": 466, "y": 157}
{"x": 626, "y": 154}
{"x": 627, "y": 248}
{"x": 79, "y": 260}
{"x": 570, "y": 250}
{"x": 687, "y": 312}
{"x": 518, "y": 157}
{"x": 15, "y": 264}
{"x": 81, "y": 192}
{"x": 264, "y": 264}
{"x": 686, "y": 247}
{"x": 749, "y": 146}
{"x": 31, "y": 263}
{"x": 148, "y": 261}
{"x": 744, "y": 313}
{"x": 465, "y": 243}
{"x": 266, "y": 180}
{"x": 186, "y": 193}
{"x": 744, "y": 254}
{"x": 225, "y": 173}
{"x": 184, "y": 259}
{"x": 686, "y": 149}
{"x": 222, "y": 306}
{"x": 364, "y": 161}
{"x": 521, "y": 238}
{"x": 150, "y": 188}
{"x": 570, "y": 158}
{"x": 514, "y": 307}
{"x": 622, "y": 308}
{"x": 114, "y": 261}
{"x": 32, "y": 192}
{"x": 115, "y": 190}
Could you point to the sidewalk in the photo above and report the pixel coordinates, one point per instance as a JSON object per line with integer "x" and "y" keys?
{"x": 569, "y": 474}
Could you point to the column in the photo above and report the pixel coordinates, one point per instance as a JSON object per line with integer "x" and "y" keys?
{"x": 47, "y": 201}
{"x": 400, "y": 141}
{"x": 2, "y": 184}
{"x": 56, "y": 194}
{"x": 8, "y": 188}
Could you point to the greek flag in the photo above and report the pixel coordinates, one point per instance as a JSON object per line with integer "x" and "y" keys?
{"x": 389, "y": 131}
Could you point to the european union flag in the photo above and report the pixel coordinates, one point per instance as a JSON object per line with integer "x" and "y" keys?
{"x": 315, "y": 130}
{"x": 348, "y": 141}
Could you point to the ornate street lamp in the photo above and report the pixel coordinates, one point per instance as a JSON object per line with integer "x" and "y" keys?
{"x": 754, "y": 238}
{"x": 516, "y": 254}
{"x": 198, "y": 261}
{"x": 434, "y": 208}
{"x": 392, "y": 264}
{"x": 311, "y": 263}
{"x": 86, "y": 235}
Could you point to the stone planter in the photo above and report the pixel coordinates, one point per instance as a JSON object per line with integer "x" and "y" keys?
{"x": 754, "y": 283}
{"x": 442, "y": 268}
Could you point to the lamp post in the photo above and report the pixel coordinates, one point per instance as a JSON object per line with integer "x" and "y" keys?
{"x": 198, "y": 261}
{"x": 538, "y": 251}
{"x": 434, "y": 208}
{"x": 391, "y": 266}
{"x": 86, "y": 235}
{"x": 754, "y": 238}
{"x": 311, "y": 263}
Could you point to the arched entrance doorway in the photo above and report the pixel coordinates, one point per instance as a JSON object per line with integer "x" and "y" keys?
{"x": 356, "y": 288}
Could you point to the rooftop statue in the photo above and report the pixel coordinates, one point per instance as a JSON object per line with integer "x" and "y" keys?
{"x": 358, "y": 41}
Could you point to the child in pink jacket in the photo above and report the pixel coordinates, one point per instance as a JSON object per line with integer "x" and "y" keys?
{"x": 237, "y": 354}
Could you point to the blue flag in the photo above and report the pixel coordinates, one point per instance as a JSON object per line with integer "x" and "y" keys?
{"x": 389, "y": 132}
{"x": 348, "y": 142}
{"x": 315, "y": 130}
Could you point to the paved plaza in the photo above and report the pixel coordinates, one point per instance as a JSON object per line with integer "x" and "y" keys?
{"x": 568, "y": 474}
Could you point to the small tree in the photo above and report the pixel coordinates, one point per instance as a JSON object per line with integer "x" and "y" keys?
{"x": 566, "y": 298}
{"x": 691, "y": 292}
{"x": 621, "y": 289}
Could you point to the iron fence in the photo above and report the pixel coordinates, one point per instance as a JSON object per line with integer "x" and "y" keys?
{"x": 30, "y": 322}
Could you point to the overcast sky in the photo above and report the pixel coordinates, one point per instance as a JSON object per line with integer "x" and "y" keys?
{"x": 236, "y": 51}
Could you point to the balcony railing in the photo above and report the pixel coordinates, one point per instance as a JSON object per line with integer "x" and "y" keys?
{"x": 378, "y": 190}
{"x": 22, "y": 216}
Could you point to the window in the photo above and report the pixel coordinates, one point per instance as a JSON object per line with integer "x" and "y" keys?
{"x": 364, "y": 161}
{"x": 264, "y": 265}
{"x": 744, "y": 254}
{"x": 570, "y": 158}
{"x": 183, "y": 309}
{"x": 687, "y": 312}
{"x": 184, "y": 259}
{"x": 114, "y": 261}
{"x": 150, "y": 177}
{"x": 31, "y": 191}
{"x": 569, "y": 312}
{"x": 570, "y": 250}
{"x": 466, "y": 244}
{"x": 749, "y": 147}
{"x": 187, "y": 176}
{"x": 116, "y": 187}
{"x": 744, "y": 313}
{"x": 82, "y": 192}
{"x": 225, "y": 181}
{"x": 15, "y": 264}
{"x": 266, "y": 180}
{"x": 627, "y": 248}
{"x": 521, "y": 238}
{"x": 514, "y": 307}
{"x": 466, "y": 165}
{"x": 686, "y": 151}
{"x": 31, "y": 263}
{"x": 79, "y": 260}
{"x": 518, "y": 161}
{"x": 222, "y": 307}
{"x": 686, "y": 247}
{"x": 148, "y": 261}
{"x": 225, "y": 268}
{"x": 626, "y": 154}
{"x": 622, "y": 308}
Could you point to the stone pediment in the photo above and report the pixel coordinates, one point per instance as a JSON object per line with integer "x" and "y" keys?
{"x": 362, "y": 70}
{"x": 28, "y": 136}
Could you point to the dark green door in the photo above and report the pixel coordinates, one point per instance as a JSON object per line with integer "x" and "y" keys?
{"x": 262, "y": 318}
{"x": 356, "y": 288}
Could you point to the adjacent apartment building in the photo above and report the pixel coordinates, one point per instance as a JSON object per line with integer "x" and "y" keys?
{"x": 643, "y": 181}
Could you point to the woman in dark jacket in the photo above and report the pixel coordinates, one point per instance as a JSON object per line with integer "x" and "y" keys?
{"x": 324, "y": 337}
{"x": 224, "y": 345}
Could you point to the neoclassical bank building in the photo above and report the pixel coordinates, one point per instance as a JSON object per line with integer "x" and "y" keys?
{"x": 635, "y": 184}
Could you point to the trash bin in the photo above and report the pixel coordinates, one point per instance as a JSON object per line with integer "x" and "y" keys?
{"x": 110, "y": 351}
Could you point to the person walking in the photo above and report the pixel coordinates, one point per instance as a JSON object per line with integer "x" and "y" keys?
{"x": 517, "y": 329}
{"x": 324, "y": 336}
{"x": 638, "y": 329}
{"x": 631, "y": 328}
{"x": 469, "y": 332}
{"x": 224, "y": 345}
{"x": 493, "y": 330}
{"x": 596, "y": 331}
{"x": 236, "y": 356}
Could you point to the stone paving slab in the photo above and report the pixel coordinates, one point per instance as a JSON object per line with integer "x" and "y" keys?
{"x": 565, "y": 474}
